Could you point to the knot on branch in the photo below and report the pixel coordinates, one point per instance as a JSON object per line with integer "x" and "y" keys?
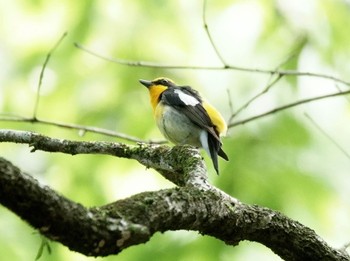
{"x": 182, "y": 165}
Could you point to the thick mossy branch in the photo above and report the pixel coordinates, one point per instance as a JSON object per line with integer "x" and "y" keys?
{"x": 194, "y": 205}
{"x": 106, "y": 230}
{"x": 60, "y": 219}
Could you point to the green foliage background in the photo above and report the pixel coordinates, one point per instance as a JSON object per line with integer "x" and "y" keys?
{"x": 282, "y": 161}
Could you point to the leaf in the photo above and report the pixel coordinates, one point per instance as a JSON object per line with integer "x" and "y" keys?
{"x": 44, "y": 244}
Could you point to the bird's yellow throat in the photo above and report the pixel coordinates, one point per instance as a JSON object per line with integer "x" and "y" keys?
{"x": 154, "y": 93}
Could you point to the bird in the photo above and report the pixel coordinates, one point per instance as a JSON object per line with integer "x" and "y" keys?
{"x": 184, "y": 117}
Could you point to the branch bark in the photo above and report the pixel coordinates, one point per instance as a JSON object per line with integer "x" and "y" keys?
{"x": 193, "y": 205}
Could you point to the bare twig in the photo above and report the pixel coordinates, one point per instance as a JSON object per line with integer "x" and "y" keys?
{"x": 230, "y": 104}
{"x": 218, "y": 68}
{"x": 327, "y": 135}
{"x": 206, "y": 28}
{"x": 80, "y": 128}
{"x": 265, "y": 90}
{"x": 48, "y": 56}
{"x": 284, "y": 107}
{"x": 133, "y": 139}
{"x": 339, "y": 89}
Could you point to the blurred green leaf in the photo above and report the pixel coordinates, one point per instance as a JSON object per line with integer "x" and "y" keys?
{"x": 45, "y": 244}
{"x": 280, "y": 162}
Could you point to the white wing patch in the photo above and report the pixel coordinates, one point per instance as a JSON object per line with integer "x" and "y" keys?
{"x": 186, "y": 99}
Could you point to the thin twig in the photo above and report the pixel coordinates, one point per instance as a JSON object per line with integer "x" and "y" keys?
{"x": 206, "y": 29}
{"x": 284, "y": 107}
{"x": 265, "y": 90}
{"x": 80, "y": 128}
{"x": 339, "y": 89}
{"x": 200, "y": 67}
{"x": 48, "y": 56}
{"x": 133, "y": 139}
{"x": 327, "y": 135}
{"x": 230, "y": 104}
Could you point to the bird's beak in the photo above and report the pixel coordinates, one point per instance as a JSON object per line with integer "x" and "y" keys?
{"x": 145, "y": 83}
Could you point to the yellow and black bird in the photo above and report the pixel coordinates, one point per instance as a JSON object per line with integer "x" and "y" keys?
{"x": 184, "y": 117}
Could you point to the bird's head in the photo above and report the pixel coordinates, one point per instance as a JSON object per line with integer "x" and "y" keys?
{"x": 161, "y": 82}
{"x": 156, "y": 87}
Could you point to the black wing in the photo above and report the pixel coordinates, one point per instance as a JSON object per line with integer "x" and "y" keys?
{"x": 199, "y": 116}
{"x": 195, "y": 112}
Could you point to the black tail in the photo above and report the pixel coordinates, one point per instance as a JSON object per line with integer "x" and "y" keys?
{"x": 215, "y": 150}
{"x": 222, "y": 154}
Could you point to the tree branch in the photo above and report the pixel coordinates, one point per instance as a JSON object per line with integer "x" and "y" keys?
{"x": 328, "y": 136}
{"x": 48, "y": 56}
{"x": 106, "y": 230}
{"x": 216, "y": 68}
{"x": 271, "y": 82}
{"x": 134, "y": 139}
{"x": 287, "y": 106}
{"x": 81, "y": 128}
{"x": 207, "y": 31}
{"x": 255, "y": 97}
{"x": 168, "y": 161}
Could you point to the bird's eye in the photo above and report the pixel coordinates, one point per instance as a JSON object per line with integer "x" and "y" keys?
{"x": 164, "y": 82}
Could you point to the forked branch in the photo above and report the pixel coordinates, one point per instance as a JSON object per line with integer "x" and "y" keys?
{"x": 108, "y": 229}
